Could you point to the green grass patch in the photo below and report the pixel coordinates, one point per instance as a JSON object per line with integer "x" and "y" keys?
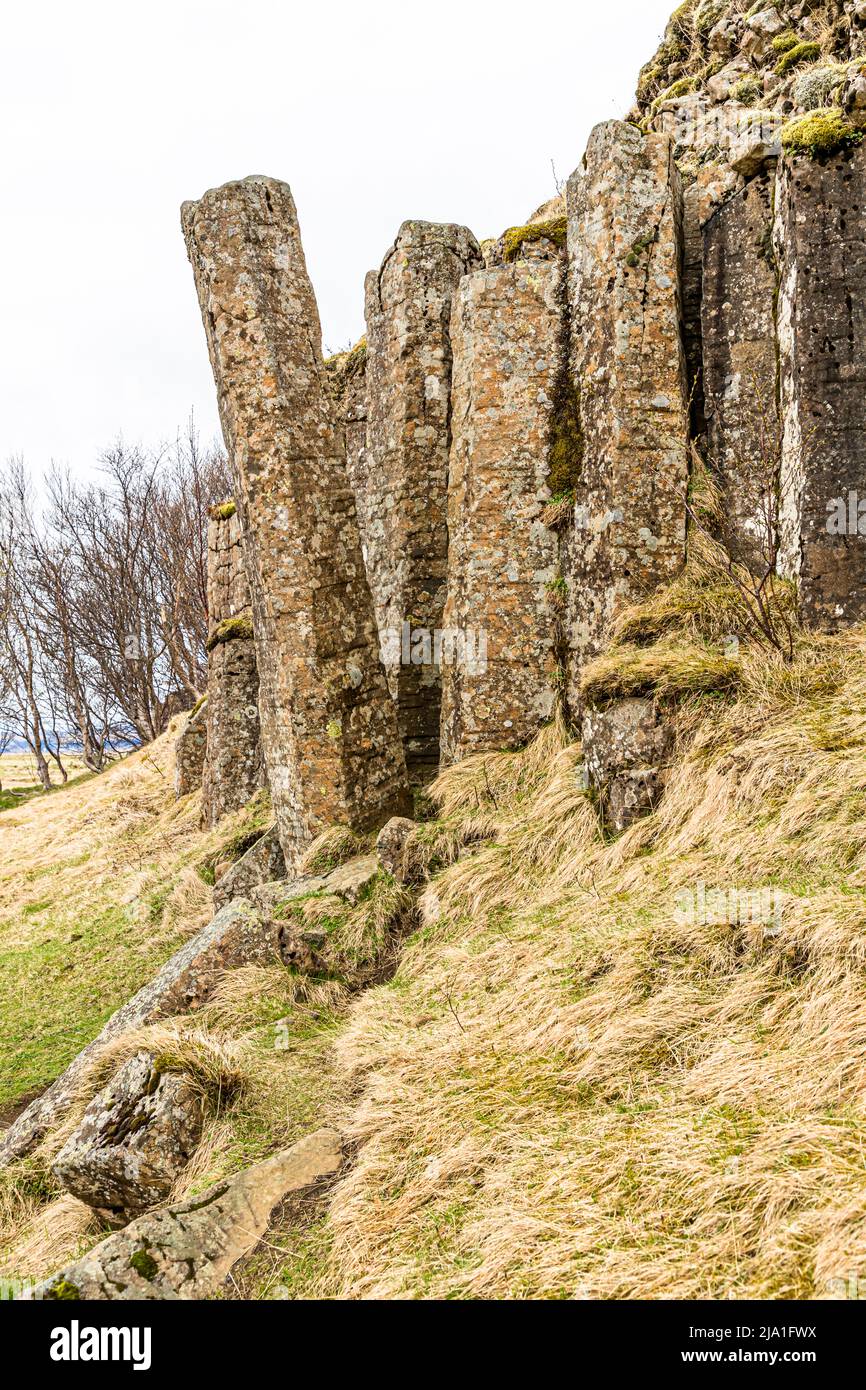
{"x": 60, "y": 986}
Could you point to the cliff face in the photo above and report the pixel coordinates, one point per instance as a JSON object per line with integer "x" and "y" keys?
{"x": 502, "y": 466}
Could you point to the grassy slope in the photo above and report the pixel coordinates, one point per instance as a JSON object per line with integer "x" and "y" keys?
{"x": 568, "y": 1089}
{"x": 97, "y": 887}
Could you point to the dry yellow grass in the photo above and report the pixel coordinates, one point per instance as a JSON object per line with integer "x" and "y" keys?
{"x": 573, "y": 1088}
{"x": 579, "y": 1083}
{"x": 18, "y": 770}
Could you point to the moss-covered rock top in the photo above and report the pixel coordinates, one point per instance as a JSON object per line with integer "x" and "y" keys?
{"x": 223, "y": 511}
{"x": 517, "y": 238}
{"x": 230, "y": 630}
{"x": 820, "y": 134}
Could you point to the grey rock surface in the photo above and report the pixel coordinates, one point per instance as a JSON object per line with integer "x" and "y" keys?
{"x": 185, "y": 1251}
{"x": 627, "y": 746}
{"x": 262, "y": 862}
{"x": 136, "y": 1137}
{"x": 391, "y": 844}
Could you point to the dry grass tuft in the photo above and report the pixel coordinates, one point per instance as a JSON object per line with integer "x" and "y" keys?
{"x": 433, "y": 845}
{"x": 669, "y": 670}
{"x": 333, "y": 847}
{"x": 50, "y": 1237}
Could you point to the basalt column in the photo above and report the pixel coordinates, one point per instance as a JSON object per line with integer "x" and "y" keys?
{"x": 347, "y": 378}
{"x": 408, "y": 309}
{"x": 625, "y": 254}
{"x": 328, "y": 726}
{"x": 499, "y": 654}
{"x": 820, "y": 239}
{"x": 234, "y": 769}
{"x": 740, "y": 366}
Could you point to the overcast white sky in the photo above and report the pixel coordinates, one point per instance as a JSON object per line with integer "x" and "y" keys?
{"x": 373, "y": 111}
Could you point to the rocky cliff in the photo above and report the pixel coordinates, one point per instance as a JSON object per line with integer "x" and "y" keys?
{"x": 518, "y": 428}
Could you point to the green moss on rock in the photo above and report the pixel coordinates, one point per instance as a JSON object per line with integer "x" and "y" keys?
{"x": 518, "y": 237}
{"x": 63, "y": 1289}
{"x": 680, "y": 88}
{"x": 795, "y": 57}
{"x": 223, "y": 511}
{"x": 820, "y": 134}
{"x": 144, "y": 1264}
{"x": 230, "y": 630}
{"x": 786, "y": 40}
{"x": 674, "y": 48}
{"x": 708, "y": 14}
{"x": 748, "y": 91}
{"x": 639, "y": 249}
{"x": 565, "y": 451}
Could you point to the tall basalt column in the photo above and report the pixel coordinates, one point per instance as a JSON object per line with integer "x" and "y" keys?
{"x": 820, "y": 240}
{"x": 408, "y": 310}
{"x": 328, "y": 726}
{"x": 347, "y": 378}
{"x": 741, "y": 366}
{"x": 625, "y": 255}
{"x": 500, "y": 658}
{"x": 234, "y": 770}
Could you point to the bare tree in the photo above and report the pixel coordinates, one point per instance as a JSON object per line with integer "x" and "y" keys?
{"x": 103, "y": 599}
{"x": 18, "y": 638}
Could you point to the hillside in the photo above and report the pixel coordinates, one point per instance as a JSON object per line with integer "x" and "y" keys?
{"x": 99, "y": 882}
{"x": 573, "y": 1086}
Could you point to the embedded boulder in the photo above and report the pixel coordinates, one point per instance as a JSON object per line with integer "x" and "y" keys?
{"x": 263, "y": 862}
{"x": 272, "y": 898}
{"x": 627, "y": 745}
{"x": 752, "y": 150}
{"x": 349, "y": 880}
{"x": 135, "y": 1139}
{"x": 391, "y": 845}
{"x": 186, "y": 1251}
